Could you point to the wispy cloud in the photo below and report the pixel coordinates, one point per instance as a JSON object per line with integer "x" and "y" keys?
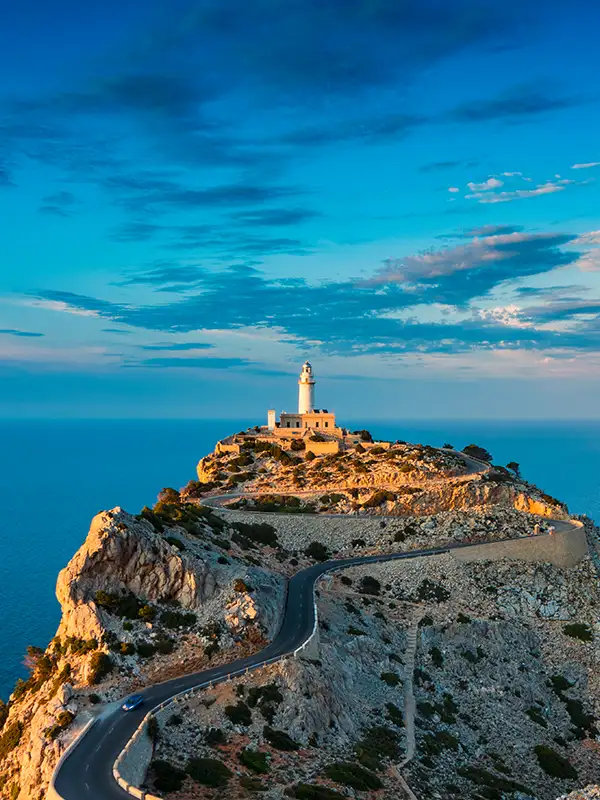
{"x": 587, "y": 165}
{"x": 15, "y": 332}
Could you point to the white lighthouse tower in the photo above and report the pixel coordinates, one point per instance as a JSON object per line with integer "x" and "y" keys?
{"x": 306, "y": 390}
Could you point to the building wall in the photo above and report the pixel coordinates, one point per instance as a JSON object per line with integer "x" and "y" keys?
{"x": 322, "y": 448}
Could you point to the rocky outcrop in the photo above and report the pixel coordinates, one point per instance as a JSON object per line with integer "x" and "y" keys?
{"x": 124, "y": 554}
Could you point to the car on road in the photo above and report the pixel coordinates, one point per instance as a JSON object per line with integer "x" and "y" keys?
{"x": 133, "y": 702}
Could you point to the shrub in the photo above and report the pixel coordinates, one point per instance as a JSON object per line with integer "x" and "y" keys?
{"x": 174, "y": 542}
{"x": 127, "y": 649}
{"x": 252, "y": 784}
{"x": 100, "y": 665}
{"x": 175, "y": 719}
{"x": 436, "y": 656}
{"x": 353, "y": 631}
{"x": 559, "y": 683}
{"x": 378, "y": 498}
{"x": 10, "y": 738}
{"x": 579, "y": 630}
{"x": 259, "y": 532}
{"x": 369, "y": 585}
{"x": 279, "y": 739}
{"x": 312, "y": 791}
{"x": 475, "y": 451}
{"x": 395, "y": 714}
{"x": 554, "y": 764}
{"x": 583, "y": 723}
{"x": 147, "y": 613}
{"x": 167, "y": 778}
{"x": 428, "y": 590}
{"x": 214, "y": 737}
{"x": 353, "y": 775}
{"x": 168, "y": 495}
{"x": 346, "y": 580}
{"x": 177, "y": 619}
{"x": 145, "y": 649}
{"x": 239, "y": 714}
{"x": 240, "y": 585}
{"x": 390, "y": 678}
{"x": 535, "y": 715}
{"x": 127, "y": 626}
{"x": 94, "y": 698}
{"x": 378, "y": 742}
{"x": 463, "y": 619}
{"x": 255, "y": 760}
{"x": 208, "y": 771}
{"x": 317, "y": 551}
{"x": 267, "y": 698}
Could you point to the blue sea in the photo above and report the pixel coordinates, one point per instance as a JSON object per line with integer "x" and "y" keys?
{"x": 55, "y": 475}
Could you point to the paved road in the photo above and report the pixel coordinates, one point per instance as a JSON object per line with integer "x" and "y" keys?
{"x": 87, "y": 771}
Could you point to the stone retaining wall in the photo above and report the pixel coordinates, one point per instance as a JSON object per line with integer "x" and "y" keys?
{"x": 134, "y": 760}
{"x": 563, "y": 549}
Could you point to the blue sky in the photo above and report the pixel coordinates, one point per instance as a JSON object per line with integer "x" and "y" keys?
{"x": 196, "y": 196}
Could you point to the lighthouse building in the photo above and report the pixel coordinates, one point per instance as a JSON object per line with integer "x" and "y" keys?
{"x": 308, "y": 417}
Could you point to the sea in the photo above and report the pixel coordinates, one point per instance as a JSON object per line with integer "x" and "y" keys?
{"x": 55, "y": 475}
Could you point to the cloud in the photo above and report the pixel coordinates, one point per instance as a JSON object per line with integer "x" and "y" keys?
{"x": 491, "y": 183}
{"x": 365, "y": 130}
{"x": 495, "y": 230}
{"x": 438, "y": 166}
{"x": 587, "y": 165}
{"x": 371, "y": 315}
{"x": 191, "y": 363}
{"x": 14, "y": 332}
{"x": 178, "y": 346}
{"x": 517, "y": 194}
{"x": 273, "y": 217}
{"x": 453, "y": 189}
{"x": 518, "y": 104}
{"x": 6, "y": 178}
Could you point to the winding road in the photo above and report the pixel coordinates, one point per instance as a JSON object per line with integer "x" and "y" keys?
{"x": 86, "y": 772}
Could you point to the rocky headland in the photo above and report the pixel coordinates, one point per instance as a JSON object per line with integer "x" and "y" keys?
{"x": 437, "y": 677}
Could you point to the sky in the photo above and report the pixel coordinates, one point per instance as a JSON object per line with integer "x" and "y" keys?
{"x": 196, "y": 196}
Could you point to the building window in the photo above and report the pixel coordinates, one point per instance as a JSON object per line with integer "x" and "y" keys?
{"x": 317, "y": 425}
{"x": 306, "y": 424}
{"x": 297, "y": 424}
{"x": 287, "y": 424}
{"x": 326, "y": 424}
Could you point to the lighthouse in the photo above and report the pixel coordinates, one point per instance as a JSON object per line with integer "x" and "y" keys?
{"x": 306, "y": 390}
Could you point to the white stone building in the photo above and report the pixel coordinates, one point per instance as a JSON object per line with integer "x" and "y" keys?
{"x": 307, "y": 417}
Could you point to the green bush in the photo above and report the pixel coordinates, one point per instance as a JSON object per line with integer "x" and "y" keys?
{"x": 428, "y": 590}
{"x": 318, "y": 551}
{"x": 312, "y": 791}
{"x": 535, "y": 715}
{"x": 266, "y": 698}
{"x": 145, "y": 649}
{"x": 214, "y": 737}
{"x": 127, "y": 649}
{"x": 255, "y": 760}
{"x": 353, "y": 775}
{"x": 239, "y": 714}
{"x": 208, "y": 772}
{"x": 10, "y": 738}
{"x": 475, "y": 451}
{"x": 100, "y": 666}
{"x": 279, "y": 739}
{"x": 353, "y": 631}
{"x": 390, "y": 678}
{"x": 463, "y": 619}
{"x": 485, "y": 778}
{"x": 167, "y": 778}
{"x": 395, "y": 714}
{"x": 257, "y": 532}
{"x": 436, "y": 656}
{"x": 252, "y": 784}
{"x": 177, "y": 619}
{"x": 378, "y": 742}
{"x": 579, "y": 630}
{"x": 369, "y": 585}
{"x": 554, "y": 764}
{"x": 174, "y": 542}
{"x": 378, "y": 498}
